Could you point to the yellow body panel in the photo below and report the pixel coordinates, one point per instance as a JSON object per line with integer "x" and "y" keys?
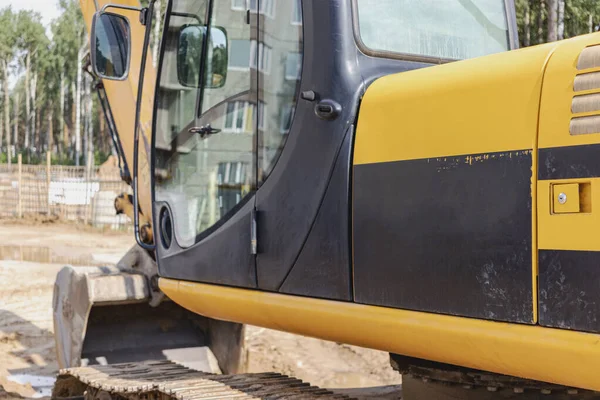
{"x": 483, "y": 105}
{"x": 552, "y": 355}
{"x": 122, "y": 96}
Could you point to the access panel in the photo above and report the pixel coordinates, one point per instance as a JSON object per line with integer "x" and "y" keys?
{"x": 442, "y": 188}
{"x": 569, "y": 188}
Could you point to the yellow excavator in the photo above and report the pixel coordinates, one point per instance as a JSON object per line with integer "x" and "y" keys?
{"x": 392, "y": 174}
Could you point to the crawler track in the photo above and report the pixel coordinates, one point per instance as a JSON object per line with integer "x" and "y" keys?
{"x": 164, "y": 380}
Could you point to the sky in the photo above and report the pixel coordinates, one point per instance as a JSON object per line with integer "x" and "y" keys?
{"x": 48, "y": 8}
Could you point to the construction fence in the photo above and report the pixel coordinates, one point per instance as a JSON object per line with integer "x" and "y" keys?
{"x": 81, "y": 194}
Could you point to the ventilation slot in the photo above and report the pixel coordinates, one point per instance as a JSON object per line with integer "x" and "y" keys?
{"x": 589, "y": 58}
{"x": 586, "y": 103}
{"x": 585, "y": 125}
{"x": 587, "y": 82}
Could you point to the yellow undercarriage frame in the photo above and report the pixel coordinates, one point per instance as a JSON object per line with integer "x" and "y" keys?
{"x": 550, "y": 355}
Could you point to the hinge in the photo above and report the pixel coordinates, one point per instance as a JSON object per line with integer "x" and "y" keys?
{"x": 143, "y": 16}
{"x": 253, "y": 233}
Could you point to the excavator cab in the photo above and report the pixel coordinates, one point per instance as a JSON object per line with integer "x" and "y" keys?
{"x": 382, "y": 173}
{"x": 108, "y": 315}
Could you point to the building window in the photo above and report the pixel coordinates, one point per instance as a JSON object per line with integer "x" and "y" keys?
{"x": 232, "y": 184}
{"x": 238, "y": 5}
{"x": 261, "y": 114}
{"x": 293, "y": 66}
{"x": 297, "y": 13}
{"x": 231, "y": 173}
{"x": 267, "y": 7}
{"x": 242, "y": 55}
{"x": 286, "y": 118}
{"x": 239, "y": 117}
{"x": 239, "y": 54}
{"x": 263, "y": 64}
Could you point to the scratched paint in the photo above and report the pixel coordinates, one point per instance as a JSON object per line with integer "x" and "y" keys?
{"x": 451, "y": 163}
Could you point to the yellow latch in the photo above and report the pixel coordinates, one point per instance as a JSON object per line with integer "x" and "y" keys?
{"x": 565, "y": 198}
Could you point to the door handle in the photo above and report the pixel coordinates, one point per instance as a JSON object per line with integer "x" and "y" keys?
{"x": 204, "y": 131}
{"x": 572, "y": 197}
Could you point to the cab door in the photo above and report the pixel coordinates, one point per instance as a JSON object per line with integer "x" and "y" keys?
{"x": 568, "y": 190}
{"x": 205, "y": 136}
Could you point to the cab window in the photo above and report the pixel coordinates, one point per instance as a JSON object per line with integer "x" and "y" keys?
{"x": 443, "y": 29}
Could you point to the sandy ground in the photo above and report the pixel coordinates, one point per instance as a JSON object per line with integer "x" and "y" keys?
{"x": 32, "y": 253}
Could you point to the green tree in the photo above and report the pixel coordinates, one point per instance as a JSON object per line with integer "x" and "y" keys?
{"x": 68, "y": 36}
{"x": 8, "y": 33}
{"x": 32, "y": 44}
{"x": 540, "y": 21}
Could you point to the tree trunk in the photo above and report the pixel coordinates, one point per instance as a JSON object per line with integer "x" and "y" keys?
{"x": 89, "y": 112}
{"x": 561, "y": 20}
{"x": 73, "y": 112}
{"x": 16, "y": 133}
{"x": 591, "y": 23}
{"x": 103, "y": 136}
{"x": 50, "y": 130}
{"x": 27, "y": 103}
{"x": 157, "y": 22}
{"x": 527, "y": 39}
{"x": 78, "y": 108}
{"x": 86, "y": 120}
{"x": 541, "y": 21}
{"x": 35, "y": 122}
{"x": 61, "y": 118}
{"x": 7, "y": 113}
{"x": 552, "y": 17}
{"x": 1, "y": 128}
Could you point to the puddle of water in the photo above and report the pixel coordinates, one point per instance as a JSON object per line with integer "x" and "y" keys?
{"x": 44, "y": 255}
{"x": 41, "y": 384}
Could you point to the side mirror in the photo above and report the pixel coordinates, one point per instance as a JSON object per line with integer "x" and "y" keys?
{"x": 189, "y": 53}
{"x": 110, "y": 46}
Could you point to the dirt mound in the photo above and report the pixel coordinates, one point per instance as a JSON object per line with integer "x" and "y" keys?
{"x": 7, "y": 390}
{"x": 8, "y": 395}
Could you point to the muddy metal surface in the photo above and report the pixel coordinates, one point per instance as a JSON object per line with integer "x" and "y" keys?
{"x": 32, "y": 254}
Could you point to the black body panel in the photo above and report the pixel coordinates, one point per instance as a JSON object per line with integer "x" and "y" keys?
{"x": 570, "y": 162}
{"x": 222, "y": 258}
{"x": 323, "y": 267}
{"x": 569, "y": 289}
{"x": 445, "y": 236}
{"x": 289, "y": 200}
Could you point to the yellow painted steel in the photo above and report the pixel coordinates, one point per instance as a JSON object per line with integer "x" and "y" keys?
{"x": 570, "y": 200}
{"x": 573, "y": 231}
{"x": 558, "y": 93}
{"x": 122, "y": 95}
{"x": 551, "y": 355}
{"x": 482, "y": 105}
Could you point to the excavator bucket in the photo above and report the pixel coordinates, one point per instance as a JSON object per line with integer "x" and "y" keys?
{"x": 108, "y": 315}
